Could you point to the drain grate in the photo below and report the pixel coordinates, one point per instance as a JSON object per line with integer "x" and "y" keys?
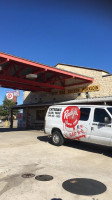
{"x": 83, "y": 186}
{"x": 44, "y": 178}
{"x": 29, "y": 175}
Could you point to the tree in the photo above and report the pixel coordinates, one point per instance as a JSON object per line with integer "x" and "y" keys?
{"x": 5, "y": 109}
{"x": 1, "y": 110}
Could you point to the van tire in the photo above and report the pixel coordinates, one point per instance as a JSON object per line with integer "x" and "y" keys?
{"x": 57, "y": 138}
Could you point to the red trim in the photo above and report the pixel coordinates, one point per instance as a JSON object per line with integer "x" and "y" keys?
{"x": 22, "y": 87}
{"x": 28, "y": 82}
{"x": 5, "y": 61}
{"x": 30, "y": 63}
{"x": 12, "y": 75}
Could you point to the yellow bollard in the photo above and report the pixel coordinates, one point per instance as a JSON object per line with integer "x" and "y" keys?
{"x": 6, "y": 123}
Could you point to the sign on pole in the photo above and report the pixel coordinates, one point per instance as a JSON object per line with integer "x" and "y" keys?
{"x": 9, "y": 95}
{"x": 16, "y": 93}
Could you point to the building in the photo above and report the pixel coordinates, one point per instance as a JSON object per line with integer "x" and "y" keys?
{"x": 97, "y": 91}
{"x": 44, "y": 85}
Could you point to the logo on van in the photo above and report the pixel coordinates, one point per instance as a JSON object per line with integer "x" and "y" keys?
{"x": 71, "y": 116}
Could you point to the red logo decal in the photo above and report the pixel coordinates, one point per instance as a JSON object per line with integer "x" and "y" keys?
{"x": 71, "y": 116}
{"x": 9, "y": 96}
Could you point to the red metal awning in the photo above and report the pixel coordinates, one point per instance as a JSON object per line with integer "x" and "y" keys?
{"x": 18, "y": 73}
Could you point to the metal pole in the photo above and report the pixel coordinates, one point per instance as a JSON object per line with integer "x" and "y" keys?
{"x": 11, "y": 124}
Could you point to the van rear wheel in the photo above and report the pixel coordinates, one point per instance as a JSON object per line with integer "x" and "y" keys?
{"x": 57, "y": 138}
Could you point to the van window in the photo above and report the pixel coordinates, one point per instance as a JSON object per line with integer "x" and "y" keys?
{"x": 84, "y": 114}
{"x": 110, "y": 110}
{"x": 100, "y": 114}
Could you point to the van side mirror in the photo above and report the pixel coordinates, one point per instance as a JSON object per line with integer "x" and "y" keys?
{"x": 107, "y": 120}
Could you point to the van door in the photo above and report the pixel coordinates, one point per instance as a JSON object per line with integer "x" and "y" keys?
{"x": 101, "y": 130}
{"x": 83, "y": 127}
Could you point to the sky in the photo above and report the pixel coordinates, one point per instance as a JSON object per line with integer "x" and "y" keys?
{"x": 76, "y": 32}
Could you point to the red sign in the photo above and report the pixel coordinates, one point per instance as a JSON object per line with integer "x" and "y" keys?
{"x": 9, "y": 95}
{"x": 71, "y": 116}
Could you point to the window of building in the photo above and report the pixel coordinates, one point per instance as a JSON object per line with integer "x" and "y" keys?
{"x": 40, "y": 115}
{"x": 100, "y": 114}
{"x": 84, "y": 114}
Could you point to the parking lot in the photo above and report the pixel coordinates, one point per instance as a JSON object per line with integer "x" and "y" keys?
{"x": 76, "y": 170}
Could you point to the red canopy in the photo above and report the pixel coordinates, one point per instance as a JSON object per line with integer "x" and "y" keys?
{"x": 18, "y": 73}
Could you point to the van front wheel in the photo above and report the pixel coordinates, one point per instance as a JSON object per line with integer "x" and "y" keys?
{"x": 57, "y": 138}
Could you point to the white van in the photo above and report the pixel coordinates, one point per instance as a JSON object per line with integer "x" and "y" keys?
{"x": 88, "y": 123}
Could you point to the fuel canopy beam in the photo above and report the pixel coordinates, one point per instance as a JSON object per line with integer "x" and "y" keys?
{"x": 14, "y": 71}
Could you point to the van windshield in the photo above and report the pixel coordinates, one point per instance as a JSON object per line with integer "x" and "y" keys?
{"x": 110, "y": 110}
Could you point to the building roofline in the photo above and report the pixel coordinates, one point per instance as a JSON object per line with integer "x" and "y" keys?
{"x": 31, "y": 105}
{"x": 107, "y": 75}
{"x": 29, "y": 62}
{"x": 101, "y": 70}
{"x": 70, "y": 102}
{"x": 18, "y": 57}
{"x": 89, "y": 100}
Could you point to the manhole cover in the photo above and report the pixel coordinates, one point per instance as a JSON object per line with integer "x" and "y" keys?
{"x": 28, "y": 175}
{"x": 83, "y": 186}
{"x": 44, "y": 178}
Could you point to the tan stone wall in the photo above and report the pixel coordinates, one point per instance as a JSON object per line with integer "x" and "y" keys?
{"x": 26, "y": 97}
{"x": 81, "y": 70}
{"x": 37, "y": 97}
{"x": 104, "y": 82}
{"x": 106, "y": 86}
